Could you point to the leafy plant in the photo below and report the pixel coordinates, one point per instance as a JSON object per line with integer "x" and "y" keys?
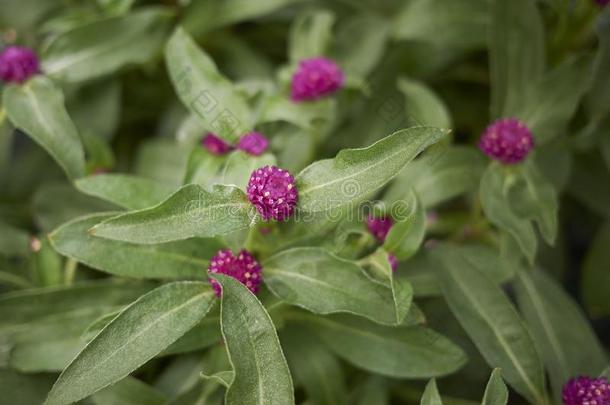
{"x": 317, "y": 202}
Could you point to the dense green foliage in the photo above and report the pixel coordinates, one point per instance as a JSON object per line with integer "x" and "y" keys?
{"x": 112, "y": 210}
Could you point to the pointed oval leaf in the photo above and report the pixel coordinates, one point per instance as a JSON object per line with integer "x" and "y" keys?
{"x": 204, "y": 90}
{"x": 190, "y": 212}
{"x": 37, "y": 107}
{"x": 407, "y": 233}
{"x": 496, "y": 204}
{"x": 137, "y": 334}
{"x": 558, "y": 326}
{"x": 496, "y": 392}
{"x": 102, "y": 47}
{"x": 402, "y": 352}
{"x": 491, "y": 321}
{"x": 315, "y": 279}
{"x": 174, "y": 260}
{"x": 261, "y": 373}
{"x": 125, "y": 190}
{"x": 431, "y": 395}
{"x": 355, "y": 174}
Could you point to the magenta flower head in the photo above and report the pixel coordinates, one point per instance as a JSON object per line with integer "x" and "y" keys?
{"x": 586, "y": 391}
{"x": 273, "y": 192}
{"x": 215, "y": 145}
{"x": 602, "y": 3}
{"x": 18, "y": 64}
{"x": 379, "y": 227}
{"x": 393, "y": 262}
{"x": 316, "y": 78}
{"x": 253, "y": 143}
{"x": 243, "y": 267}
{"x": 507, "y": 140}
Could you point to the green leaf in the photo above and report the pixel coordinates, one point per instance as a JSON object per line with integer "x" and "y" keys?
{"x": 203, "y": 16}
{"x": 314, "y": 367}
{"x": 598, "y": 98}
{"x": 401, "y": 352}
{"x": 495, "y": 392}
{"x": 407, "y": 233}
{"x": 56, "y": 203}
{"x": 550, "y": 102}
{"x": 49, "y": 355}
{"x": 24, "y": 389}
{"x": 203, "y": 168}
{"x": 174, "y": 260}
{"x": 224, "y": 378}
{"x": 595, "y": 277}
{"x": 189, "y": 212}
{"x": 402, "y": 292}
{"x": 205, "y": 334}
{"x": 516, "y": 53}
{"x": 37, "y": 107}
{"x": 261, "y": 372}
{"x": 355, "y": 174}
{"x": 163, "y": 160}
{"x": 431, "y": 395}
{"x": 103, "y": 47}
{"x": 437, "y": 178}
{"x": 136, "y": 335}
{"x": 21, "y": 309}
{"x": 124, "y": 190}
{"x": 495, "y": 185}
{"x": 367, "y": 30}
{"x": 491, "y": 321}
{"x": 534, "y": 197}
{"x": 315, "y": 279}
{"x": 308, "y": 116}
{"x": 452, "y": 24}
{"x": 558, "y": 326}
{"x": 239, "y": 166}
{"x": 13, "y": 241}
{"x": 374, "y": 390}
{"x": 129, "y": 391}
{"x": 310, "y": 35}
{"x": 424, "y": 106}
{"x": 204, "y": 91}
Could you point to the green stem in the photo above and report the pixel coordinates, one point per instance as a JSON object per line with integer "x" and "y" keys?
{"x": 70, "y": 271}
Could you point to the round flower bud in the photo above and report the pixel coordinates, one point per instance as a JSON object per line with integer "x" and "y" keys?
{"x": 243, "y": 267}
{"x": 316, "y": 78}
{"x": 586, "y": 391}
{"x": 253, "y": 143}
{"x": 18, "y": 64}
{"x": 273, "y": 192}
{"x": 393, "y": 261}
{"x": 379, "y": 227}
{"x": 507, "y": 140}
{"x": 215, "y": 145}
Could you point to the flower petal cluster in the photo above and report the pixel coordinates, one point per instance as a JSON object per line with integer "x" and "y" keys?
{"x": 243, "y": 267}
{"x": 316, "y": 78}
{"x": 253, "y": 143}
{"x": 586, "y": 391}
{"x": 507, "y": 140}
{"x": 18, "y": 64}
{"x": 273, "y": 192}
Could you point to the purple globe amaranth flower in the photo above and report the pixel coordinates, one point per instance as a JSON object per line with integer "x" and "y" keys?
{"x": 18, "y": 64}
{"x": 586, "y": 391}
{"x": 379, "y": 226}
{"x": 253, "y": 143}
{"x": 243, "y": 267}
{"x": 273, "y": 192}
{"x": 393, "y": 261}
{"x": 507, "y": 140}
{"x": 602, "y": 3}
{"x": 215, "y": 145}
{"x": 316, "y": 78}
